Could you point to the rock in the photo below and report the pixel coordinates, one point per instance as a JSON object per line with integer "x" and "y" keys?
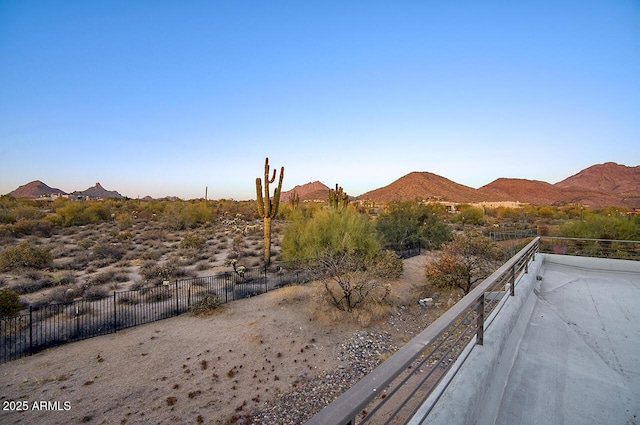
{"x": 425, "y": 302}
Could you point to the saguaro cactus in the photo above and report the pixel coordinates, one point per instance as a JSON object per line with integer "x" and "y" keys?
{"x": 294, "y": 201}
{"x": 337, "y": 199}
{"x": 268, "y": 208}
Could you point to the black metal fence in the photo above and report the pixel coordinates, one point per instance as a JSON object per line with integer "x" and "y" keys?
{"x": 507, "y": 235}
{"x": 55, "y": 324}
{"x": 407, "y": 252}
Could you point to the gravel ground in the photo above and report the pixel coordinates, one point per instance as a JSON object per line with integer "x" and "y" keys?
{"x": 360, "y": 355}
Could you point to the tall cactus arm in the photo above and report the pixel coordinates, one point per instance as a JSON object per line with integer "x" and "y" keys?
{"x": 259, "y": 198}
{"x": 276, "y": 194}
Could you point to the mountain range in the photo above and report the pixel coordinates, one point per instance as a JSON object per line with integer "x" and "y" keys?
{"x": 608, "y": 184}
{"x": 600, "y": 185}
{"x": 38, "y": 189}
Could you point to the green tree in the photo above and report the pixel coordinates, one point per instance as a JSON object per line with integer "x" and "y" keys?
{"x": 334, "y": 231}
{"x": 469, "y": 215}
{"x": 469, "y": 258}
{"x": 407, "y": 224}
{"x": 342, "y": 247}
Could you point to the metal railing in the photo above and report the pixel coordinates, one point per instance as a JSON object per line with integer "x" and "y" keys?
{"x": 507, "y": 235}
{"x": 55, "y": 324}
{"x": 583, "y": 247}
{"x": 393, "y": 392}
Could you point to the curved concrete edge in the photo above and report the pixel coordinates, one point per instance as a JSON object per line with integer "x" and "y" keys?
{"x": 472, "y": 390}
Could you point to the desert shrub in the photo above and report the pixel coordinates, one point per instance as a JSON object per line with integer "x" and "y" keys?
{"x": 189, "y": 260}
{"x": 33, "y": 274}
{"x": 93, "y": 293}
{"x": 67, "y": 278}
{"x": 192, "y": 241}
{"x": 180, "y": 215}
{"x": 599, "y": 226}
{"x": 27, "y": 210}
{"x": 80, "y": 261}
{"x": 408, "y": 224}
{"x": 463, "y": 262}
{"x": 206, "y": 304}
{"x": 63, "y": 295}
{"x": 74, "y": 213}
{"x": 203, "y": 265}
{"x": 329, "y": 232}
{"x": 28, "y": 286}
{"x": 33, "y": 227}
{"x": 348, "y": 279}
{"x": 469, "y": 215}
{"x": 103, "y": 277}
{"x": 104, "y": 251}
{"x": 158, "y": 273}
{"x": 156, "y": 235}
{"x": 124, "y": 236}
{"x": 387, "y": 264}
{"x": 10, "y": 304}
{"x": 25, "y": 255}
{"x": 85, "y": 243}
{"x": 151, "y": 254}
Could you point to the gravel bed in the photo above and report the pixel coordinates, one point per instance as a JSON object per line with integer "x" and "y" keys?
{"x": 359, "y": 356}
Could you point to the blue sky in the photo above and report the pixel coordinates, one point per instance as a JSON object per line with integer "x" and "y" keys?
{"x": 167, "y": 97}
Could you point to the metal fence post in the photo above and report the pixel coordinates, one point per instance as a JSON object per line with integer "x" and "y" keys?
{"x": 480, "y": 321}
{"x": 189, "y": 297}
{"x": 30, "y": 330}
{"x": 115, "y": 317}
{"x": 226, "y": 291}
{"x": 177, "y": 299}
{"x": 512, "y": 290}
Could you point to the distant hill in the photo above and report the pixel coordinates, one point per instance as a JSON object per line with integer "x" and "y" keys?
{"x": 35, "y": 189}
{"x": 616, "y": 180}
{"x": 308, "y": 192}
{"x": 522, "y": 190}
{"x": 423, "y": 185}
{"x": 98, "y": 191}
{"x": 600, "y": 185}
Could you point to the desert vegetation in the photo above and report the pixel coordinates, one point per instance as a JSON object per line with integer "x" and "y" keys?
{"x": 61, "y": 250}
